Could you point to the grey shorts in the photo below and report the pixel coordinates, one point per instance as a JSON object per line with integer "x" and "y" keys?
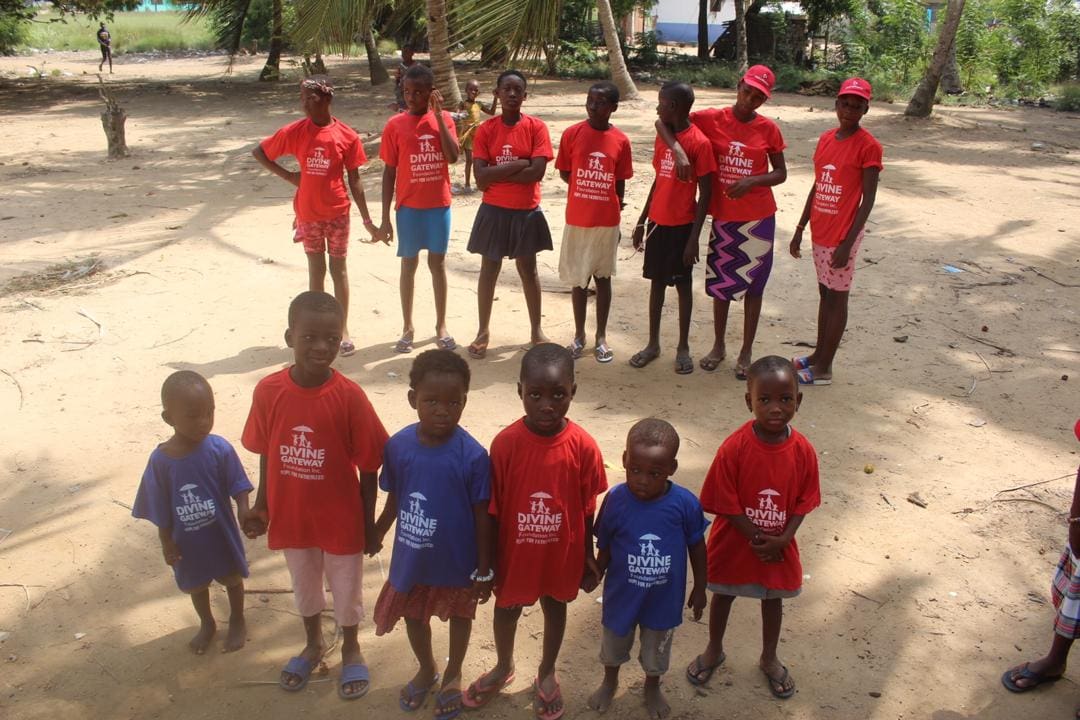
{"x": 654, "y": 651}
{"x": 753, "y": 590}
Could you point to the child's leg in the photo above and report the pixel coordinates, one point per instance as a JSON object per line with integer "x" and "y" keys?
{"x": 579, "y": 299}
{"x": 603, "y": 308}
{"x": 554, "y": 629}
{"x": 657, "y": 289}
{"x": 340, "y": 276}
{"x": 345, "y": 575}
{"x": 237, "y": 634}
{"x": 485, "y": 687}
{"x": 614, "y": 651}
{"x": 1052, "y": 665}
{"x": 306, "y": 570}
{"x": 751, "y": 314}
{"x": 719, "y": 349}
{"x": 316, "y": 265}
{"x": 406, "y": 289}
{"x": 655, "y": 656}
{"x": 437, "y": 265}
{"x": 683, "y": 362}
{"x": 835, "y": 312}
{"x": 419, "y": 633}
{"x": 772, "y": 614}
{"x": 703, "y": 666}
{"x": 207, "y": 627}
{"x": 485, "y": 297}
{"x": 468, "y": 166}
{"x": 530, "y": 285}
{"x": 449, "y": 698}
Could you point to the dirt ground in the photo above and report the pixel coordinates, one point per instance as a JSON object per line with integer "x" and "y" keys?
{"x": 956, "y": 387}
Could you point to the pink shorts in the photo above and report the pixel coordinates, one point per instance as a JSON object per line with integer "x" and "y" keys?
{"x": 321, "y": 236}
{"x": 345, "y": 575}
{"x": 833, "y": 278}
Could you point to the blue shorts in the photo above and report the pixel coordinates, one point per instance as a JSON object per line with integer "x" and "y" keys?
{"x": 427, "y": 229}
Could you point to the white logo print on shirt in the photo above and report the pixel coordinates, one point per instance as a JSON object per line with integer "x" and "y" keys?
{"x": 649, "y": 567}
{"x": 593, "y": 182}
{"x": 302, "y": 460}
{"x": 317, "y": 162}
{"x": 428, "y": 165}
{"x": 506, "y": 155}
{"x": 194, "y": 513}
{"x": 768, "y": 515}
{"x": 415, "y": 528}
{"x": 540, "y": 525}
{"x": 827, "y": 193}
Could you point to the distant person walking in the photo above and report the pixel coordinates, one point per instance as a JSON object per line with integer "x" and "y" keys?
{"x": 105, "y": 43}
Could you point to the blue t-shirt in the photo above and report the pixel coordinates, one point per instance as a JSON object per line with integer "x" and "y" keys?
{"x": 646, "y": 579}
{"x": 192, "y": 495}
{"x": 436, "y": 489}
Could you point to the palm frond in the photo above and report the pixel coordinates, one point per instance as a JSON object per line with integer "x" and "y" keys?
{"x": 524, "y": 26}
{"x": 333, "y": 24}
{"x": 228, "y": 17}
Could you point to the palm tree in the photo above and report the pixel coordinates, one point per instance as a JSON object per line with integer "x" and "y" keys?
{"x": 922, "y": 102}
{"x": 272, "y": 70}
{"x": 376, "y": 69}
{"x": 616, "y": 64}
{"x": 229, "y": 18}
{"x": 441, "y": 61}
{"x": 742, "y": 60}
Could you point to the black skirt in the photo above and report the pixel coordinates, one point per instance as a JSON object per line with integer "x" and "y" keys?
{"x": 499, "y": 232}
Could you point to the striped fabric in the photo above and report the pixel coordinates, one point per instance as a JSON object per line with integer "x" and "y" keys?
{"x": 1065, "y": 591}
{"x": 740, "y": 258}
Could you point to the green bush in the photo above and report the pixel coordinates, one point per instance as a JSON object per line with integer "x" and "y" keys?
{"x": 387, "y": 46}
{"x": 1068, "y": 98}
{"x": 13, "y": 33}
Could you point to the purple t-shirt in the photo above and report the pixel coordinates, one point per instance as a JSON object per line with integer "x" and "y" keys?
{"x": 645, "y": 582}
{"x": 192, "y": 495}
{"x": 436, "y": 489}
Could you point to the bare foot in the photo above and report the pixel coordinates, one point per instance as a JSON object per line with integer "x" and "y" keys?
{"x": 601, "y": 698}
{"x": 313, "y": 654}
{"x": 202, "y": 639}
{"x": 237, "y": 635}
{"x": 655, "y": 702}
{"x": 1030, "y": 674}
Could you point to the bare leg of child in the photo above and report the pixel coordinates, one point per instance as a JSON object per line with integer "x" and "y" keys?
{"x": 313, "y": 650}
{"x": 485, "y": 297}
{"x": 719, "y": 349}
{"x": 684, "y": 364}
{"x": 316, "y": 265}
{"x": 579, "y": 299}
{"x": 823, "y": 293}
{"x": 705, "y": 664}
{"x": 449, "y": 698}
{"x": 468, "y": 167}
{"x": 657, "y": 290}
{"x": 751, "y": 314}
{"x": 547, "y": 687}
{"x": 603, "y": 309}
{"x": 1045, "y": 668}
{"x": 601, "y": 698}
{"x": 420, "y": 640}
{"x": 530, "y": 285}
{"x": 833, "y": 322}
{"x": 351, "y": 655}
{"x": 436, "y": 263}
{"x": 504, "y": 625}
{"x": 772, "y": 615}
{"x": 656, "y": 705}
{"x": 406, "y": 288}
{"x": 340, "y": 276}
{"x": 207, "y": 627}
{"x": 237, "y": 634}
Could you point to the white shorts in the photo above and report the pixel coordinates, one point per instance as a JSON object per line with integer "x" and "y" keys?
{"x": 586, "y": 252}
{"x": 345, "y": 575}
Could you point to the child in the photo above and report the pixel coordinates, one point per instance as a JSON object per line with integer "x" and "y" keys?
{"x": 323, "y": 146}
{"x": 1065, "y": 592}
{"x": 105, "y": 43}
{"x": 762, "y": 483}
{"x": 468, "y": 116}
{"x": 743, "y": 208}
{"x": 847, "y": 163}
{"x": 399, "y": 78}
{"x": 416, "y": 147}
{"x": 312, "y": 428}
{"x": 594, "y": 159}
{"x": 439, "y": 483}
{"x": 185, "y": 491}
{"x": 644, "y": 531}
{"x": 546, "y": 474}
{"x": 673, "y": 222}
{"x": 511, "y": 154}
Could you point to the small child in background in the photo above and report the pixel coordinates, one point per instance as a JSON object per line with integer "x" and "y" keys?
{"x": 313, "y": 428}
{"x": 847, "y": 163}
{"x": 644, "y": 532}
{"x": 670, "y": 224}
{"x": 185, "y": 491}
{"x": 407, "y": 62}
{"x": 468, "y": 117}
{"x": 762, "y": 483}
{"x": 595, "y": 160}
{"x": 546, "y": 474}
{"x": 439, "y": 483}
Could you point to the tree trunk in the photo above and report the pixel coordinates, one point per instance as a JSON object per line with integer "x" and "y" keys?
{"x": 376, "y": 69}
{"x": 441, "y": 62}
{"x": 950, "y": 76}
{"x": 616, "y": 63}
{"x": 742, "y": 60}
{"x": 703, "y": 29}
{"x": 922, "y": 102}
{"x": 271, "y": 70}
{"x": 112, "y": 121}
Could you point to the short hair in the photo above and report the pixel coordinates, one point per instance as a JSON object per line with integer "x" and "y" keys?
{"x": 680, "y": 92}
{"x": 179, "y": 380}
{"x": 438, "y": 361}
{"x": 654, "y": 431}
{"x": 768, "y": 364}
{"x": 314, "y": 301}
{"x": 421, "y": 72}
{"x": 607, "y": 88}
{"x": 547, "y": 355}
{"x": 512, "y": 73}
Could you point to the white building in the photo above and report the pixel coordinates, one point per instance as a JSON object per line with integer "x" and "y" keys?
{"x": 677, "y": 20}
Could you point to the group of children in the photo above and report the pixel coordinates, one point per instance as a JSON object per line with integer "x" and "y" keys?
{"x": 516, "y": 521}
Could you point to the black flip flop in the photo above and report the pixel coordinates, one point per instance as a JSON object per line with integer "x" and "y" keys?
{"x": 697, "y": 679}
{"x": 1023, "y": 672}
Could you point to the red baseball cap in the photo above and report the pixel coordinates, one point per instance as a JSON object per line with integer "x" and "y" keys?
{"x": 760, "y": 78}
{"x": 856, "y": 86}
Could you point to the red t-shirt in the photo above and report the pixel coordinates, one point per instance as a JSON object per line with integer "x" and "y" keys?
{"x": 498, "y": 144}
{"x": 673, "y": 202}
{"x": 768, "y": 484}
{"x": 595, "y": 159}
{"x": 314, "y": 439}
{"x": 411, "y": 144}
{"x": 324, "y": 154}
{"x": 741, "y": 149}
{"x": 838, "y": 168}
{"x": 541, "y": 490}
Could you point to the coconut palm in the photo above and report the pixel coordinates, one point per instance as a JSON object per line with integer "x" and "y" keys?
{"x": 616, "y": 64}
{"x": 922, "y": 102}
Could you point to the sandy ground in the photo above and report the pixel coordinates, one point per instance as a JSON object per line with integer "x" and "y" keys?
{"x": 908, "y": 612}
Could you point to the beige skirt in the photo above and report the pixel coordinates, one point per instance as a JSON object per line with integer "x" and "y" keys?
{"x": 587, "y": 252}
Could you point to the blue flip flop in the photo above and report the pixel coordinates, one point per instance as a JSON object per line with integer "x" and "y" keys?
{"x": 302, "y": 668}
{"x": 448, "y": 697}
{"x": 410, "y": 694}
{"x": 357, "y": 672}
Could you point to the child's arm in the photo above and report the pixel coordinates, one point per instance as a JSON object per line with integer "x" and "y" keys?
{"x": 258, "y": 517}
{"x": 704, "y": 194}
{"x": 768, "y": 548}
{"x": 620, "y": 192}
{"x": 369, "y": 488}
{"x": 699, "y": 564}
{"x": 357, "y": 189}
{"x": 683, "y": 170}
{"x": 485, "y": 551}
{"x": 242, "y": 508}
{"x": 386, "y": 518}
{"x": 168, "y": 546}
{"x": 492, "y": 108}
{"x": 1074, "y": 511}
{"x": 565, "y": 176}
{"x": 449, "y": 145}
{"x": 639, "y": 229}
{"x": 532, "y": 172}
{"x": 487, "y": 175}
{"x": 386, "y": 229}
{"x": 289, "y": 176}
{"x": 796, "y": 239}
{"x": 777, "y": 175}
{"x": 590, "y": 573}
{"x": 869, "y": 194}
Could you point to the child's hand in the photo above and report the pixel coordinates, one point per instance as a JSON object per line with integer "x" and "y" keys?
{"x": 256, "y": 522}
{"x": 434, "y": 102}
{"x": 739, "y": 188}
{"x": 697, "y": 601}
{"x": 690, "y": 253}
{"x": 683, "y": 171}
{"x": 770, "y": 548}
{"x": 796, "y": 242}
{"x": 639, "y": 237}
{"x": 481, "y": 591}
{"x": 384, "y": 233}
{"x": 170, "y": 551}
{"x": 841, "y": 255}
{"x": 372, "y": 545}
{"x": 591, "y": 575}
{"x": 293, "y": 177}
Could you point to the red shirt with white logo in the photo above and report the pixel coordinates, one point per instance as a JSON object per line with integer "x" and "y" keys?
{"x": 411, "y": 144}
{"x": 742, "y": 149}
{"x": 324, "y": 154}
{"x": 767, "y": 483}
{"x": 595, "y": 159}
{"x": 498, "y": 144}
{"x": 541, "y": 490}
{"x": 838, "y": 171}
{"x": 673, "y": 201}
{"x": 314, "y": 440}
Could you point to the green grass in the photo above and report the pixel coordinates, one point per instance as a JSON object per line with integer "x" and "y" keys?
{"x": 131, "y": 32}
